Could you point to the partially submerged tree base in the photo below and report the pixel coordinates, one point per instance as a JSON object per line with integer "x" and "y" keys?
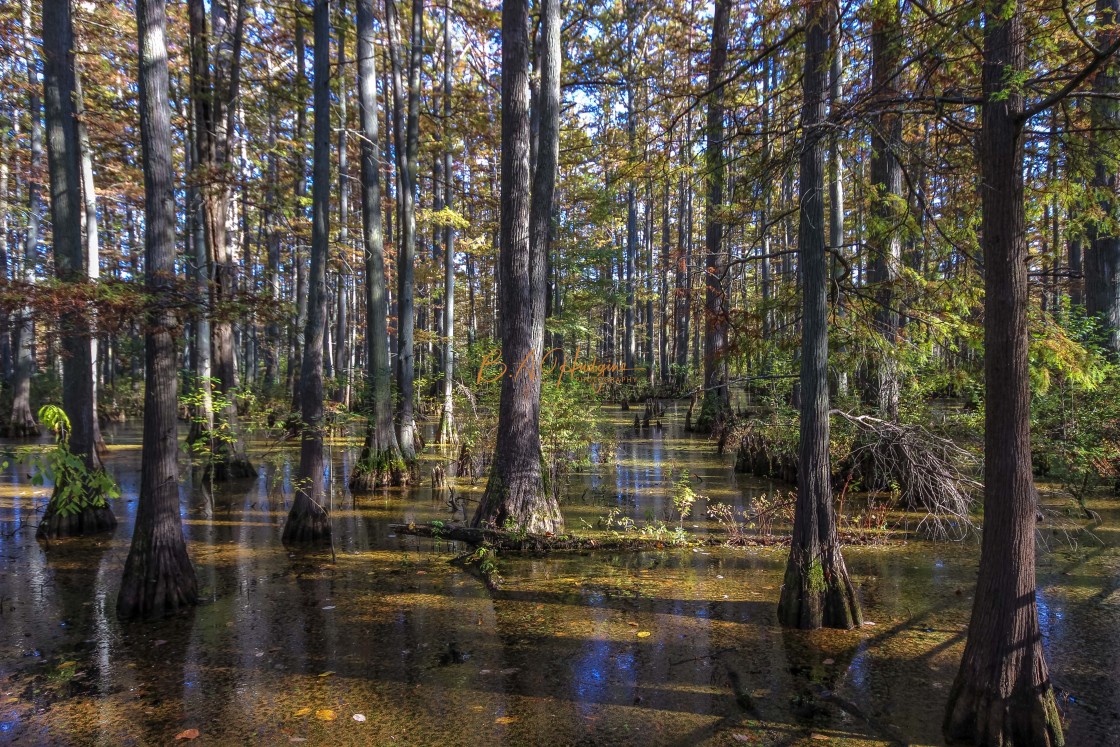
{"x": 89, "y": 520}
{"x": 228, "y": 469}
{"x": 379, "y": 470}
{"x": 979, "y": 715}
{"x": 307, "y": 525}
{"x": 22, "y": 429}
{"x": 817, "y": 592}
{"x": 159, "y": 579}
{"x": 715, "y": 414}
{"x": 447, "y": 433}
{"x": 528, "y": 508}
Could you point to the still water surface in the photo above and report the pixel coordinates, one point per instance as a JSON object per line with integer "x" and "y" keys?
{"x": 661, "y": 647}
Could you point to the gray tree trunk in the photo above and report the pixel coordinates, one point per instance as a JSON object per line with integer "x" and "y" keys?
{"x": 447, "y": 431}
{"x": 158, "y": 576}
{"x": 817, "y": 590}
{"x": 717, "y": 400}
{"x": 92, "y": 514}
{"x": 888, "y": 207}
{"x": 22, "y": 423}
{"x": 1002, "y": 693}
{"x": 515, "y": 494}
{"x": 309, "y": 520}
{"x": 215, "y": 65}
{"x": 381, "y": 462}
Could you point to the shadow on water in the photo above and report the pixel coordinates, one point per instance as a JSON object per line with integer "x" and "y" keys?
{"x": 675, "y": 646}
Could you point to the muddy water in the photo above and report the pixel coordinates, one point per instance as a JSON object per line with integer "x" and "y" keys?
{"x": 661, "y": 647}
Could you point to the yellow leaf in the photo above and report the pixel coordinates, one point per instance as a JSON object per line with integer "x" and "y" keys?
{"x": 325, "y": 714}
{"x": 67, "y": 664}
{"x": 505, "y": 719}
{"x": 644, "y": 634}
{"x": 303, "y": 712}
{"x": 326, "y": 674}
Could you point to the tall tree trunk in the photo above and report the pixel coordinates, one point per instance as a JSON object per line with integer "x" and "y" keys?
{"x": 296, "y": 339}
{"x": 7, "y": 138}
{"x": 836, "y": 187}
{"x": 158, "y": 576}
{"x": 1076, "y": 267}
{"x": 629, "y": 343}
{"x": 765, "y": 216}
{"x": 887, "y": 207}
{"x": 91, "y": 239}
{"x": 447, "y": 431}
{"x": 83, "y": 508}
{"x": 272, "y": 247}
{"x": 341, "y": 351}
{"x": 717, "y": 400}
{"x": 1002, "y": 693}
{"x": 682, "y": 290}
{"x": 202, "y": 420}
{"x": 406, "y": 133}
{"x": 1102, "y": 258}
{"x": 515, "y": 494}
{"x": 22, "y": 423}
{"x": 308, "y": 521}
{"x": 649, "y": 268}
{"x": 215, "y": 77}
{"x": 663, "y": 286}
{"x": 817, "y": 590}
{"x": 381, "y": 462}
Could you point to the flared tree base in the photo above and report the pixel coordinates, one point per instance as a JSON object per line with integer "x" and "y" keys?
{"x": 159, "y": 579}
{"x": 229, "y": 469}
{"x": 379, "y": 470}
{"x": 715, "y": 413}
{"x": 524, "y": 506}
{"x": 978, "y": 715}
{"x": 21, "y": 429}
{"x": 447, "y": 433}
{"x": 818, "y": 593}
{"x": 307, "y": 525}
{"x": 90, "y": 520}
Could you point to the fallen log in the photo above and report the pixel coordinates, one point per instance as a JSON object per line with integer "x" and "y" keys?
{"x": 521, "y": 542}
{"x": 539, "y": 544}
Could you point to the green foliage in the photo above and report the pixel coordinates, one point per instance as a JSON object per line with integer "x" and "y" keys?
{"x": 684, "y": 496}
{"x": 77, "y": 487}
{"x": 620, "y": 526}
{"x": 1075, "y": 418}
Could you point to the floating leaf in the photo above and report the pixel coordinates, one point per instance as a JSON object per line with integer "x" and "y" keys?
{"x": 325, "y": 714}
{"x": 505, "y": 719}
{"x": 360, "y": 718}
{"x": 187, "y": 734}
{"x": 644, "y": 634}
{"x": 326, "y": 674}
{"x": 67, "y": 664}
{"x": 303, "y": 712}
{"x": 829, "y": 662}
{"x": 329, "y": 607}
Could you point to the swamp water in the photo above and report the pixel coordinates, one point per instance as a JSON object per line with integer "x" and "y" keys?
{"x": 675, "y": 646}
